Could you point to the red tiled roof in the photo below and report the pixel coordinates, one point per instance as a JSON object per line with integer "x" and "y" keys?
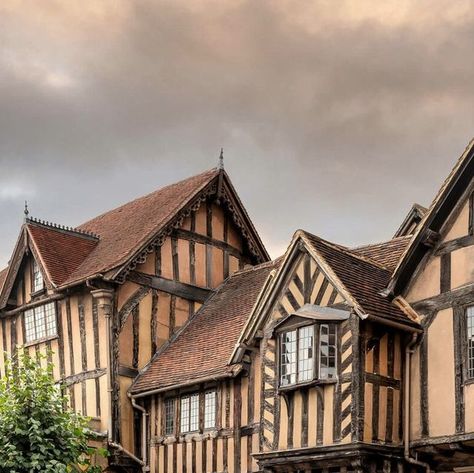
{"x": 387, "y": 253}
{"x": 204, "y": 346}
{"x": 361, "y": 277}
{"x": 61, "y": 251}
{"x": 124, "y": 230}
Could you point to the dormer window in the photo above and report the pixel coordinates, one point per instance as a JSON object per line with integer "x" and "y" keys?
{"x": 308, "y": 345}
{"x": 37, "y": 280}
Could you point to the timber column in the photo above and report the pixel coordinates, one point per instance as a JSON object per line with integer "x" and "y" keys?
{"x": 104, "y": 298}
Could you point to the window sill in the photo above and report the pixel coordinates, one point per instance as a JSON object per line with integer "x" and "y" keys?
{"x": 314, "y": 382}
{"x": 36, "y": 294}
{"x": 468, "y": 382}
{"x": 41, "y": 340}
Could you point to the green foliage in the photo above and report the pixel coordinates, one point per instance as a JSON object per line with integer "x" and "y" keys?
{"x": 38, "y": 432}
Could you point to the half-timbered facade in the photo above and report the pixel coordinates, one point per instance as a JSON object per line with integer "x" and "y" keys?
{"x": 193, "y": 353}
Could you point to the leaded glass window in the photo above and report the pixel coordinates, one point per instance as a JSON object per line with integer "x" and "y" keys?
{"x": 209, "y": 409}
{"x": 38, "y": 282}
{"x": 169, "y": 416}
{"x": 327, "y": 351}
{"x": 470, "y": 341}
{"x": 190, "y": 413}
{"x": 307, "y": 353}
{"x": 40, "y": 322}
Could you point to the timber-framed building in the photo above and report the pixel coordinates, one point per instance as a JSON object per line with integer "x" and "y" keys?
{"x": 192, "y": 352}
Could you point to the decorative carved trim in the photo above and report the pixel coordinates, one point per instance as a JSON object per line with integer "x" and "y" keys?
{"x": 175, "y": 223}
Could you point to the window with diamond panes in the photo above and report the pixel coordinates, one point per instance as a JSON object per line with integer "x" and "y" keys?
{"x": 209, "y": 409}
{"x": 190, "y": 413}
{"x": 169, "y": 416}
{"x": 470, "y": 341}
{"x": 327, "y": 351}
{"x": 40, "y": 322}
{"x": 38, "y": 282}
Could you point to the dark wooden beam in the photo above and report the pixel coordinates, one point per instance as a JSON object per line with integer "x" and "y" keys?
{"x": 206, "y": 240}
{"x": 464, "y": 295}
{"x": 176, "y": 288}
{"x": 454, "y": 245}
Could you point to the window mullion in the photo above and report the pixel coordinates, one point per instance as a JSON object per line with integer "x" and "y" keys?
{"x": 297, "y": 357}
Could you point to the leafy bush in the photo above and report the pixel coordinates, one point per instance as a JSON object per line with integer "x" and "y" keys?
{"x": 38, "y": 432}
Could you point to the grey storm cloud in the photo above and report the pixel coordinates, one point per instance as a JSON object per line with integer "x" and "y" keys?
{"x": 334, "y": 115}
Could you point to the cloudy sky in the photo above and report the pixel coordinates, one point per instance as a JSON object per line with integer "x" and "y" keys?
{"x": 335, "y": 116}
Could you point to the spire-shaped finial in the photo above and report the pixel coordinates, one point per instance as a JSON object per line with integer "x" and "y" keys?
{"x": 221, "y": 159}
{"x": 26, "y": 211}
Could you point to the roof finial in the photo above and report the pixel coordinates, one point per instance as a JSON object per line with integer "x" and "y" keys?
{"x": 26, "y": 211}
{"x": 221, "y": 160}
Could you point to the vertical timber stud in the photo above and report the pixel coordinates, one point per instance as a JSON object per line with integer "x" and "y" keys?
{"x": 237, "y": 422}
{"x": 424, "y": 385}
{"x": 445, "y": 272}
{"x": 471, "y": 214}
{"x": 458, "y": 323}
{"x": 95, "y": 328}
{"x": 104, "y": 300}
{"x": 357, "y": 409}
{"x": 82, "y": 334}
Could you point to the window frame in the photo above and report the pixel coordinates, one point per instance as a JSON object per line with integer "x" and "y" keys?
{"x": 316, "y": 379}
{"x": 468, "y": 370}
{"x": 36, "y": 269}
{"x": 214, "y": 411}
{"x": 190, "y": 397}
{"x": 172, "y": 414}
{"x": 47, "y": 335}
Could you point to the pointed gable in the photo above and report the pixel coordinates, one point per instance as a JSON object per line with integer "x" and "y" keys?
{"x": 128, "y": 233}
{"x": 428, "y": 230}
{"x": 57, "y": 251}
{"x": 363, "y": 278}
{"x": 60, "y": 251}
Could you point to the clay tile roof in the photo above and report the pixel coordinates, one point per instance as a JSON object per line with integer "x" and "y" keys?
{"x": 124, "y": 230}
{"x": 387, "y": 253}
{"x": 61, "y": 251}
{"x": 3, "y": 275}
{"x": 204, "y": 346}
{"x": 363, "y": 278}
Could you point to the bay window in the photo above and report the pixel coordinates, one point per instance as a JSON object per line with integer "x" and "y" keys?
{"x": 308, "y": 353}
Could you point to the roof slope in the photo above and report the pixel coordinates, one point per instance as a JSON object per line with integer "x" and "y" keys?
{"x": 204, "y": 346}
{"x": 387, "y": 253}
{"x": 363, "y": 278}
{"x": 3, "y": 275}
{"x": 126, "y": 228}
{"x": 61, "y": 251}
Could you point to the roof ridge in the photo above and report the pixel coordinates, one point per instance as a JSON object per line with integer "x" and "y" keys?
{"x": 347, "y": 251}
{"x": 380, "y": 243}
{"x": 61, "y": 228}
{"x": 149, "y": 194}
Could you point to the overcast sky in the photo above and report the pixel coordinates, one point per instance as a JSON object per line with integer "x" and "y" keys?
{"x": 335, "y": 116}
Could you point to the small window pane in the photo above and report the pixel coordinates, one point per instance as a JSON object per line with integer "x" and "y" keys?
{"x": 210, "y": 410}
{"x": 327, "y": 351}
{"x": 470, "y": 342}
{"x": 288, "y": 358}
{"x": 185, "y": 414}
{"x": 169, "y": 416}
{"x": 305, "y": 353}
{"x": 194, "y": 413}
